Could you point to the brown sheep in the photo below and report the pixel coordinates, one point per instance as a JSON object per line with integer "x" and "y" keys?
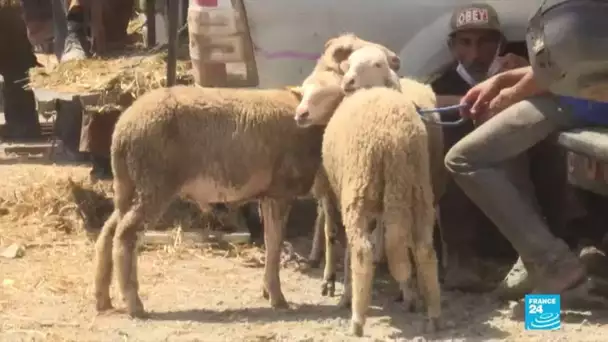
{"x": 376, "y": 160}
{"x": 214, "y": 145}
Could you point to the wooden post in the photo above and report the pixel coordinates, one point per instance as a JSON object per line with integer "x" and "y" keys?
{"x": 172, "y": 13}
{"x": 150, "y": 23}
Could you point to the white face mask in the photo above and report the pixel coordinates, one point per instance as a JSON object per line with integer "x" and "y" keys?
{"x": 492, "y": 70}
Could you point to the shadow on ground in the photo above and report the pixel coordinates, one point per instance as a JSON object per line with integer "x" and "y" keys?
{"x": 464, "y": 316}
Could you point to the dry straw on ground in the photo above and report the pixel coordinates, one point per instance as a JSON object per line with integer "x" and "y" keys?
{"x": 132, "y": 74}
{"x": 131, "y": 71}
{"x": 42, "y": 204}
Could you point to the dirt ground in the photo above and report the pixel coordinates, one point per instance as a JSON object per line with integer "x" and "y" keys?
{"x": 212, "y": 294}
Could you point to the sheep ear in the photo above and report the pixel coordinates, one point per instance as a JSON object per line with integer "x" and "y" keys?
{"x": 341, "y": 53}
{"x": 297, "y": 91}
{"x": 328, "y": 43}
{"x": 344, "y": 66}
{"x": 395, "y": 63}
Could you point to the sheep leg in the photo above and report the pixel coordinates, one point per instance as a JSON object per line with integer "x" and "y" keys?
{"x": 345, "y": 299}
{"x": 329, "y": 272}
{"x": 314, "y": 258}
{"x": 399, "y": 263}
{"x": 379, "y": 246}
{"x": 124, "y": 244}
{"x": 274, "y": 213}
{"x": 428, "y": 281}
{"x": 103, "y": 262}
{"x": 362, "y": 260}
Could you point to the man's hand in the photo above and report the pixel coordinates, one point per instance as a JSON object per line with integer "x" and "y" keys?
{"x": 499, "y": 92}
{"x": 510, "y": 61}
{"x": 478, "y": 97}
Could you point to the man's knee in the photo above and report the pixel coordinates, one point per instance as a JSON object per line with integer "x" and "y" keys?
{"x": 456, "y": 161}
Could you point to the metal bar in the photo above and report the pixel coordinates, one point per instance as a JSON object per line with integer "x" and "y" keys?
{"x": 150, "y": 23}
{"x": 172, "y": 13}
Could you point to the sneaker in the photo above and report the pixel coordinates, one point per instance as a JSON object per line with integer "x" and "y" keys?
{"x": 517, "y": 283}
{"x": 561, "y": 274}
{"x": 75, "y": 43}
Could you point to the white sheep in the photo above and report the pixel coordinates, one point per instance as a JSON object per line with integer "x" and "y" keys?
{"x": 368, "y": 67}
{"x": 337, "y": 49}
{"x": 212, "y": 145}
{"x": 376, "y": 160}
{"x": 330, "y": 69}
{"x": 424, "y": 97}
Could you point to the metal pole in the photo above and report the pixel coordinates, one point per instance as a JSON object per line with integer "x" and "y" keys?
{"x": 150, "y": 23}
{"x": 172, "y": 13}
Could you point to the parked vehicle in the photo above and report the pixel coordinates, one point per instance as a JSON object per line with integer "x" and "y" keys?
{"x": 279, "y": 42}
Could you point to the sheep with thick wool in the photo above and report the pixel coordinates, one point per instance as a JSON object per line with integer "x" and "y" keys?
{"x": 365, "y": 67}
{"x": 368, "y": 67}
{"x": 376, "y": 162}
{"x": 338, "y": 49}
{"x": 329, "y": 69}
{"x": 424, "y": 97}
{"x": 212, "y": 145}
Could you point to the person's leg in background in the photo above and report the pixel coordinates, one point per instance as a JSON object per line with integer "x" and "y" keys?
{"x": 20, "y": 112}
{"x": 557, "y": 204}
{"x": 16, "y": 58}
{"x": 479, "y": 163}
{"x": 76, "y": 45}
{"x": 556, "y": 196}
{"x": 38, "y": 18}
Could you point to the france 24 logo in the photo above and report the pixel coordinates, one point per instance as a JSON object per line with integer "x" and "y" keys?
{"x": 542, "y": 312}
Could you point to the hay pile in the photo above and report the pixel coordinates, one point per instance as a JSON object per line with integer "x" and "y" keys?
{"x": 132, "y": 74}
{"x": 42, "y": 204}
{"x": 132, "y": 71}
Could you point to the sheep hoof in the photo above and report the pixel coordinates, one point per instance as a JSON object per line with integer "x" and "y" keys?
{"x": 138, "y": 313}
{"x": 280, "y": 303}
{"x": 357, "y": 329}
{"x": 344, "y": 302}
{"x": 328, "y": 288}
{"x": 432, "y": 325}
{"x": 314, "y": 263}
{"x": 413, "y": 305}
{"x": 136, "y": 309}
{"x": 104, "y": 305}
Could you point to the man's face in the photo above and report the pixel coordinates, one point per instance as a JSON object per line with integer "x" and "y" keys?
{"x": 475, "y": 50}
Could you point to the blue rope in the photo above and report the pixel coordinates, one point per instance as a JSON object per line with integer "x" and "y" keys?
{"x": 440, "y": 110}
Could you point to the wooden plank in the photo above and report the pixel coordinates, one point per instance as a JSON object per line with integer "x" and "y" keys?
{"x": 27, "y": 148}
{"x": 192, "y": 238}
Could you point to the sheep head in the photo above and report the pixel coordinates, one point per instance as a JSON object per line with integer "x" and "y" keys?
{"x": 338, "y": 49}
{"x": 367, "y": 67}
{"x": 318, "y": 104}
